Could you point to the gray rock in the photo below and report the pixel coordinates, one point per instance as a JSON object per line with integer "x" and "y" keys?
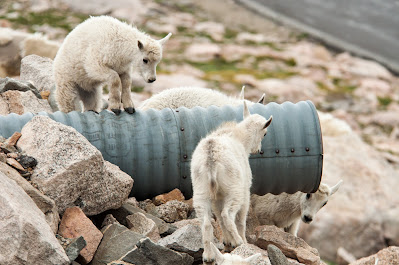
{"x": 173, "y": 211}
{"x": 276, "y": 256}
{"x": 25, "y": 236}
{"x": 13, "y": 101}
{"x": 116, "y": 242}
{"x": 109, "y": 220}
{"x": 139, "y": 223}
{"x": 147, "y": 252}
{"x": 247, "y": 250}
{"x": 7, "y": 84}
{"x": 65, "y": 156}
{"x": 74, "y": 248}
{"x": 127, "y": 209}
{"x": 39, "y": 71}
{"x": 187, "y": 239}
{"x": 44, "y": 203}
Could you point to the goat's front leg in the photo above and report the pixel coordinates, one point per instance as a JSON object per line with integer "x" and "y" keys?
{"x": 294, "y": 227}
{"x": 127, "y": 102}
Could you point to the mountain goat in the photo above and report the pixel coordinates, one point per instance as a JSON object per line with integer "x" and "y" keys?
{"x": 103, "y": 50}
{"x": 191, "y": 97}
{"x": 287, "y": 210}
{"x": 231, "y": 259}
{"x": 221, "y": 178}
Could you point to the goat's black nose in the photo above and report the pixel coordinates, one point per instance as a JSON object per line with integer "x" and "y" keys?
{"x": 308, "y": 219}
{"x": 151, "y": 80}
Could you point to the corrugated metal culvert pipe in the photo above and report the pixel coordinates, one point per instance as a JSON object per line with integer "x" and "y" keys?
{"x": 155, "y": 146}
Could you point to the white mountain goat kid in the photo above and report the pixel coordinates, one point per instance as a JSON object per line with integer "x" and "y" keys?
{"x": 231, "y": 259}
{"x": 287, "y": 210}
{"x": 103, "y": 50}
{"x": 191, "y": 97}
{"x": 221, "y": 178}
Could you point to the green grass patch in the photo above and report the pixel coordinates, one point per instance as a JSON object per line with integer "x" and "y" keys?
{"x": 52, "y": 17}
{"x": 230, "y": 34}
{"x": 384, "y": 101}
{"x": 137, "y": 89}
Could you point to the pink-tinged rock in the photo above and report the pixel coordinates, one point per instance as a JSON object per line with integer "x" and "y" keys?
{"x": 387, "y": 256}
{"x": 14, "y": 163}
{"x": 14, "y": 138}
{"x": 202, "y": 52}
{"x": 172, "y": 211}
{"x": 213, "y": 29}
{"x": 25, "y": 236}
{"x": 75, "y": 223}
{"x": 175, "y": 194}
{"x": 70, "y": 170}
{"x": 292, "y": 246}
{"x": 44, "y": 203}
{"x": 18, "y": 102}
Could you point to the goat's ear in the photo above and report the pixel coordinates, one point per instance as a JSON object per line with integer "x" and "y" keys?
{"x": 268, "y": 122}
{"x": 164, "y": 40}
{"x": 242, "y": 93}
{"x": 336, "y": 187}
{"x": 246, "y": 111}
{"x": 252, "y": 258}
{"x": 140, "y": 45}
{"x": 262, "y": 99}
{"x": 218, "y": 254}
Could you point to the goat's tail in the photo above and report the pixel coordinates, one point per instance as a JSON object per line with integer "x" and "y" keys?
{"x": 213, "y": 185}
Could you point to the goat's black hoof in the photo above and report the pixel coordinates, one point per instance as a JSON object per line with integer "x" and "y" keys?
{"x": 130, "y": 110}
{"x": 116, "y": 111}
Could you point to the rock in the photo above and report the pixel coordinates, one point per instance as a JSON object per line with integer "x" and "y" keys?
{"x": 109, "y": 220}
{"x": 7, "y": 84}
{"x": 173, "y": 80}
{"x": 7, "y": 149}
{"x": 233, "y": 52}
{"x": 247, "y": 250}
{"x": 147, "y": 252}
{"x": 215, "y": 30}
{"x": 172, "y": 211}
{"x": 14, "y": 138}
{"x": 292, "y": 246}
{"x": 276, "y": 256}
{"x": 39, "y": 71}
{"x": 344, "y": 257}
{"x": 132, "y": 201}
{"x": 160, "y": 28}
{"x": 65, "y": 156}
{"x": 3, "y": 158}
{"x": 116, "y": 242}
{"x": 12, "y": 162}
{"x": 75, "y": 246}
{"x": 202, "y": 52}
{"x": 217, "y": 231}
{"x": 386, "y": 256}
{"x": 251, "y": 225}
{"x": 148, "y": 206}
{"x": 74, "y": 224}
{"x": 44, "y": 203}
{"x": 175, "y": 194}
{"x": 139, "y": 223}
{"x": 27, "y": 161}
{"x": 22, "y": 102}
{"x": 187, "y": 239}
{"x": 245, "y": 37}
{"x": 127, "y": 209}
{"x": 353, "y": 218}
{"x": 24, "y": 226}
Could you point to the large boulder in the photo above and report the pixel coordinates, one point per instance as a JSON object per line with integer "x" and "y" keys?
{"x": 386, "y": 256}
{"x": 360, "y": 217}
{"x": 39, "y": 71}
{"x": 25, "y": 236}
{"x": 44, "y": 203}
{"x": 70, "y": 170}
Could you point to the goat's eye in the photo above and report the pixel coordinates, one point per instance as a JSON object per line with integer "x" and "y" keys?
{"x": 265, "y": 134}
{"x": 324, "y": 204}
{"x": 308, "y": 196}
{"x": 145, "y": 61}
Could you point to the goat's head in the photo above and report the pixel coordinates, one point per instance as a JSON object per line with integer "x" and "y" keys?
{"x": 256, "y": 125}
{"x": 151, "y": 55}
{"x": 311, "y": 203}
{"x": 230, "y": 259}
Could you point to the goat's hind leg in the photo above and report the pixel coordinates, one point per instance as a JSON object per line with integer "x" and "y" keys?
{"x": 92, "y": 99}
{"x": 217, "y": 210}
{"x": 204, "y": 212}
{"x": 229, "y": 214}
